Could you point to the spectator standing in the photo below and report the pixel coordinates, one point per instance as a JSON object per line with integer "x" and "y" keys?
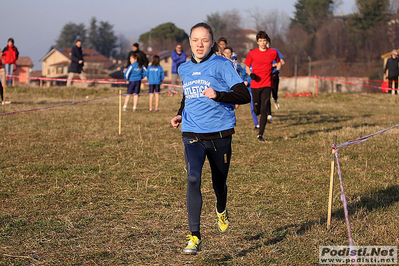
{"x": 391, "y": 71}
{"x": 77, "y": 63}
{"x": 261, "y": 60}
{"x": 178, "y": 58}
{"x": 143, "y": 60}
{"x": 1, "y": 78}
{"x": 155, "y": 76}
{"x": 211, "y": 88}
{"x": 134, "y": 74}
{"x": 10, "y": 56}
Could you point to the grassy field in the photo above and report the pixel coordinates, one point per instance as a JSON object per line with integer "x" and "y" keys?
{"x": 74, "y": 192}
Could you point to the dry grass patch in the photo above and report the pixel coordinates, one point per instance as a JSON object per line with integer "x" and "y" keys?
{"x": 74, "y": 192}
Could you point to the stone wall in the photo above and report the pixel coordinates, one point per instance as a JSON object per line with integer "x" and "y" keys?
{"x": 324, "y": 85}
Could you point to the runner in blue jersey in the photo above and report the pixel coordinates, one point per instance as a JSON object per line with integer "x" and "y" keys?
{"x": 228, "y": 53}
{"x": 275, "y": 79}
{"x": 211, "y": 88}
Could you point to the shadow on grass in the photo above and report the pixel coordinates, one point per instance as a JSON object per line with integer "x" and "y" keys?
{"x": 326, "y": 130}
{"x": 369, "y": 202}
{"x": 312, "y": 117}
{"x": 316, "y": 117}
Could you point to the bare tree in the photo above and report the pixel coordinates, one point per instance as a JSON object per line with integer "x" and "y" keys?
{"x": 336, "y": 4}
{"x": 393, "y": 24}
{"x": 122, "y": 47}
{"x": 274, "y": 22}
{"x": 332, "y": 40}
{"x": 298, "y": 40}
{"x": 228, "y": 25}
{"x": 394, "y": 6}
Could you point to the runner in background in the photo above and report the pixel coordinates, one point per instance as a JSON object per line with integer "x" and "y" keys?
{"x": 276, "y": 81}
{"x": 228, "y": 53}
{"x": 261, "y": 60}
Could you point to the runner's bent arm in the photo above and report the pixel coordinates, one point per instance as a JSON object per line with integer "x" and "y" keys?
{"x": 239, "y": 95}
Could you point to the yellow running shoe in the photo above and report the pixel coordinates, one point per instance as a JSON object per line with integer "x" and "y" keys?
{"x": 223, "y": 221}
{"x": 193, "y": 245}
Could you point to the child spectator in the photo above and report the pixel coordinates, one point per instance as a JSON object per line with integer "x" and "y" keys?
{"x": 155, "y": 75}
{"x": 134, "y": 74}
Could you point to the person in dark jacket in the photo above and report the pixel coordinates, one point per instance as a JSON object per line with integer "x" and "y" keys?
{"x": 10, "y": 56}
{"x": 391, "y": 71}
{"x": 77, "y": 63}
{"x": 143, "y": 60}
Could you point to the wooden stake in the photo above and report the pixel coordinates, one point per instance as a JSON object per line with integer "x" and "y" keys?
{"x": 120, "y": 112}
{"x": 330, "y": 197}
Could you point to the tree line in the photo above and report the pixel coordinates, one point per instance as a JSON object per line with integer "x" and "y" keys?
{"x": 330, "y": 44}
{"x": 347, "y": 45}
{"x": 99, "y": 36}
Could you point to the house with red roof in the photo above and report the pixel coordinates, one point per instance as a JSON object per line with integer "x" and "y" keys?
{"x": 56, "y": 62}
{"x": 24, "y": 68}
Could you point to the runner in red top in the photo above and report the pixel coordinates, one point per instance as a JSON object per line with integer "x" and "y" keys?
{"x": 261, "y": 61}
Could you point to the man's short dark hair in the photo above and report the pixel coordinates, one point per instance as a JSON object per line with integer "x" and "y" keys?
{"x": 262, "y": 35}
{"x": 136, "y": 45}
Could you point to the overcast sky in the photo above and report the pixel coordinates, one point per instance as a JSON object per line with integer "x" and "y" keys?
{"x": 36, "y": 24}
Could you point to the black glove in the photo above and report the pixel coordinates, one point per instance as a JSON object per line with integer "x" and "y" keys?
{"x": 254, "y": 76}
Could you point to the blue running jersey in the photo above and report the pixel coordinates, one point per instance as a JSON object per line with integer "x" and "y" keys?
{"x": 200, "y": 114}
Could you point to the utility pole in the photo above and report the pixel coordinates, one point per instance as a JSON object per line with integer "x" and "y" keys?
{"x": 295, "y": 69}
